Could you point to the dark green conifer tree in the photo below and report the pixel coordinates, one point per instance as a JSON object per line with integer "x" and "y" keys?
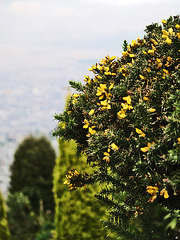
{"x": 23, "y": 222}
{"x": 31, "y": 172}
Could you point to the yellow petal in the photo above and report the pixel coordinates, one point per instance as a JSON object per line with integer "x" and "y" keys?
{"x": 152, "y": 190}
{"x": 91, "y": 112}
{"x": 106, "y": 154}
{"x": 165, "y": 32}
{"x": 139, "y": 131}
{"x": 177, "y": 26}
{"x": 125, "y": 106}
{"x": 142, "y": 77}
{"x": 166, "y": 195}
{"x": 113, "y": 57}
{"x": 114, "y": 146}
{"x": 127, "y": 99}
{"x": 164, "y": 21}
{"x": 178, "y": 139}
{"x": 143, "y": 135}
{"x": 91, "y": 131}
{"x": 151, "y": 51}
{"x": 168, "y": 41}
{"x": 151, "y": 110}
{"x": 145, "y": 98}
{"x": 170, "y": 30}
{"x": 144, "y": 149}
{"x": 75, "y": 95}
{"x": 121, "y": 114}
{"x": 111, "y": 86}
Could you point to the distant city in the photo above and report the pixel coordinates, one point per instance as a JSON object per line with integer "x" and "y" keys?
{"x": 26, "y": 109}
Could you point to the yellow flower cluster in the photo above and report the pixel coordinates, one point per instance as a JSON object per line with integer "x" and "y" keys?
{"x": 125, "y": 106}
{"x": 102, "y": 93}
{"x": 71, "y": 174}
{"x": 154, "y": 192}
{"x": 90, "y": 129}
{"x": 102, "y": 68}
{"x": 106, "y": 157}
{"x": 149, "y": 145}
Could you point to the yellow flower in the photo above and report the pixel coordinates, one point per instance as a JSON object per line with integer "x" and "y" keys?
{"x": 178, "y": 139}
{"x": 75, "y": 95}
{"x": 87, "y": 79}
{"x": 106, "y": 157}
{"x": 151, "y": 51}
{"x": 144, "y": 52}
{"x": 91, "y": 112}
{"x": 177, "y": 26}
{"x": 164, "y": 21}
{"x": 111, "y": 86}
{"x": 152, "y": 190}
{"x": 126, "y": 106}
{"x": 113, "y": 57}
{"x": 154, "y": 42}
{"x": 92, "y": 131}
{"x": 134, "y": 43}
{"x": 165, "y": 32}
{"x": 142, "y": 77}
{"x": 86, "y": 123}
{"x": 151, "y": 110}
{"x": 140, "y": 132}
{"x": 132, "y": 55}
{"x": 121, "y": 114}
{"x": 106, "y": 154}
{"x": 166, "y": 72}
{"x": 164, "y": 36}
{"x": 165, "y": 192}
{"x": 101, "y": 89}
{"x": 127, "y": 99}
{"x": 106, "y": 104}
{"x": 114, "y": 146}
{"x": 170, "y": 30}
{"x": 125, "y": 54}
{"x": 145, "y": 149}
{"x": 168, "y": 40}
{"x": 145, "y": 98}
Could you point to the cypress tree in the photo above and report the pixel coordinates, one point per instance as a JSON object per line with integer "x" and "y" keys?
{"x": 31, "y": 172}
{"x": 77, "y": 215}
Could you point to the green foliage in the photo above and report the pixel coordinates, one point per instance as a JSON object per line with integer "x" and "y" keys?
{"x": 31, "y": 172}
{"x": 4, "y": 231}
{"x": 77, "y": 215}
{"x": 23, "y": 222}
{"x": 47, "y": 232}
{"x": 127, "y": 121}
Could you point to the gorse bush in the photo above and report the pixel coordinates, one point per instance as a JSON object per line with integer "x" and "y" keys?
{"x": 127, "y": 121}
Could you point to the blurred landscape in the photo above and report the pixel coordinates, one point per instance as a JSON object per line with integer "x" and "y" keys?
{"x": 26, "y": 108}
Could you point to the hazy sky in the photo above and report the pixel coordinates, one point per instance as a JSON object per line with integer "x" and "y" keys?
{"x": 42, "y": 40}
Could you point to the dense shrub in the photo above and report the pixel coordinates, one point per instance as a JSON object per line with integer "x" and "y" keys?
{"x": 4, "y": 231}
{"x": 127, "y": 121}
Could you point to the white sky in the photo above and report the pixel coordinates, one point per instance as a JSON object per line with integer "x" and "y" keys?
{"x": 42, "y": 40}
